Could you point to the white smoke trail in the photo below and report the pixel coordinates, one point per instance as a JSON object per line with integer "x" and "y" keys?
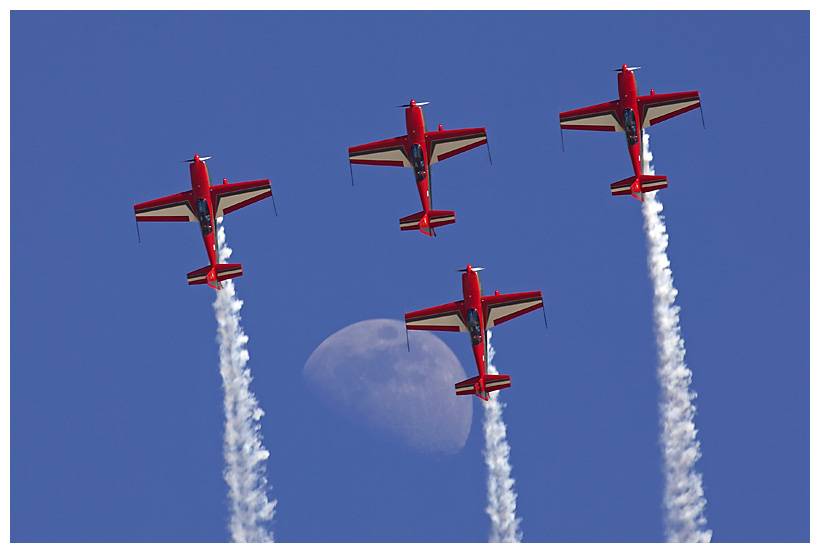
{"x": 243, "y": 449}
{"x": 500, "y": 494}
{"x": 683, "y": 498}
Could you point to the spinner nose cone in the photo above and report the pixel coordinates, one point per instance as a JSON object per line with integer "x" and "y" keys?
{"x": 197, "y": 159}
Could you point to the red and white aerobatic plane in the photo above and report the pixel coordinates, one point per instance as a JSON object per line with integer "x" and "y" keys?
{"x": 419, "y": 149}
{"x": 630, "y": 114}
{"x": 203, "y": 204}
{"x": 476, "y": 314}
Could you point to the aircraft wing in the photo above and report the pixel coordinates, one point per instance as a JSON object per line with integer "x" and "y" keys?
{"x": 503, "y": 307}
{"x": 178, "y": 207}
{"x": 443, "y": 317}
{"x": 660, "y": 107}
{"x": 601, "y": 117}
{"x": 444, "y": 144}
{"x": 232, "y": 196}
{"x": 392, "y": 152}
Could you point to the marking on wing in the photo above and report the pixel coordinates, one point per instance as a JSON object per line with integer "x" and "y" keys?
{"x": 387, "y": 156}
{"x": 500, "y": 311}
{"x": 600, "y": 121}
{"x": 653, "y": 112}
{"x": 180, "y": 211}
{"x": 226, "y": 201}
{"x": 441, "y": 148}
{"x": 445, "y": 320}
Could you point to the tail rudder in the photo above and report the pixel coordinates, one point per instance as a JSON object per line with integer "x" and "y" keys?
{"x": 426, "y": 221}
{"x": 213, "y": 275}
{"x": 637, "y": 186}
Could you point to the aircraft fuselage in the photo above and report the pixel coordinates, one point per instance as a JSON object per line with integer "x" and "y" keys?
{"x": 201, "y": 186}
{"x": 630, "y": 118}
{"x": 471, "y": 288}
{"x": 416, "y": 137}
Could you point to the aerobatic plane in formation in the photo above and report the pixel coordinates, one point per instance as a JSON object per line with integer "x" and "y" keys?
{"x": 630, "y": 114}
{"x": 203, "y": 204}
{"x": 476, "y": 314}
{"x": 419, "y": 149}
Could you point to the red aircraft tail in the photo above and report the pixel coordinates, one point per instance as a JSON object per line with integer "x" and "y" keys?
{"x": 637, "y": 186}
{"x": 427, "y": 221}
{"x": 212, "y": 276}
{"x": 475, "y": 385}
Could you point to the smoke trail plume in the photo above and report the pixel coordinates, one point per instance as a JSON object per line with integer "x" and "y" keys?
{"x": 683, "y": 498}
{"x": 244, "y": 453}
{"x": 500, "y": 494}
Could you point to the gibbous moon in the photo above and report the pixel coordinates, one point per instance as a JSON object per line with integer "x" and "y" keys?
{"x": 365, "y": 372}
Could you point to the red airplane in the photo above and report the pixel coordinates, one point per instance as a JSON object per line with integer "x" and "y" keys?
{"x": 419, "y": 149}
{"x": 204, "y": 203}
{"x": 630, "y": 114}
{"x": 476, "y": 314}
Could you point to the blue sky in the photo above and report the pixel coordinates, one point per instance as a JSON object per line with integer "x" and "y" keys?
{"x": 115, "y": 395}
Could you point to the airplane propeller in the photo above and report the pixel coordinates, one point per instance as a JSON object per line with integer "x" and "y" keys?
{"x": 627, "y": 68}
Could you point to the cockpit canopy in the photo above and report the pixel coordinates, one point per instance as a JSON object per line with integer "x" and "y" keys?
{"x": 630, "y": 127}
{"x": 204, "y": 215}
{"x": 474, "y": 326}
{"x": 417, "y": 156}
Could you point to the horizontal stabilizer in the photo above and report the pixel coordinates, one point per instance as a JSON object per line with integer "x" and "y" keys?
{"x": 639, "y": 185}
{"x": 474, "y": 385}
{"x": 213, "y": 275}
{"x": 467, "y": 387}
{"x": 493, "y": 382}
{"x": 425, "y": 221}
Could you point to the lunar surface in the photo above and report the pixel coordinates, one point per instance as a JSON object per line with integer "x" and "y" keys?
{"x": 365, "y": 372}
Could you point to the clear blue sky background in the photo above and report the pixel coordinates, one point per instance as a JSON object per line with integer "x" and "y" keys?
{"x": 115, "y": 395}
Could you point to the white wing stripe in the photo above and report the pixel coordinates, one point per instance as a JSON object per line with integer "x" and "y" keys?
{"x": 448, "y": 320}
{"x": 500, "y": 311}
{"x": 446, "y": 146}
{"x": 182, "y": 209}
{"x": 227, "y": 201}
{"x": 659, "y": 110}
{"x": 602, "y": 120}
{"x": 393, "y": 154}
